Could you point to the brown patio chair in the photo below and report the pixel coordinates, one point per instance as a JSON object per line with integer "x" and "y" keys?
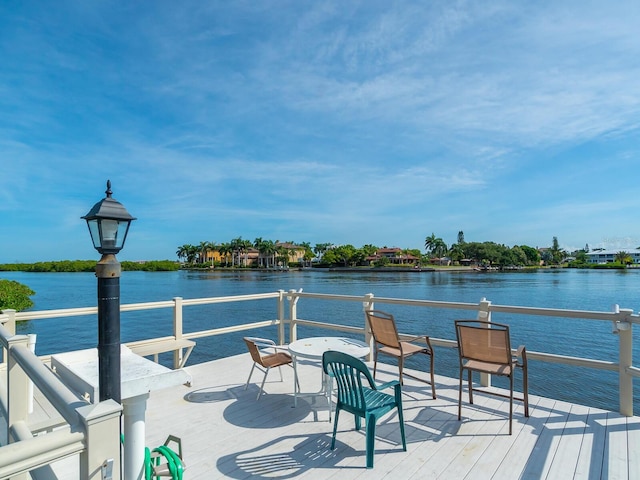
{"x": 387, "y": 341}
{"x": 271, "y": 356}
{"x": 486, "y": 347}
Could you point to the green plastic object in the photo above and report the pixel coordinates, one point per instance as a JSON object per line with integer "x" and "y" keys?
{"x": 173, "y": 460}
{"x": 363, "y": 401}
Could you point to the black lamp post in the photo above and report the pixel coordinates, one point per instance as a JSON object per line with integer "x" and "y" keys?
{"x": 108, "y": 223}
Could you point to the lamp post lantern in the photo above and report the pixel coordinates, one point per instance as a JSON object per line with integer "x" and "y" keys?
{"x": 108, "y": 223}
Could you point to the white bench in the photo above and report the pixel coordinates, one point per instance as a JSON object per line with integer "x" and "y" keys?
{"x": 145, "y": 348}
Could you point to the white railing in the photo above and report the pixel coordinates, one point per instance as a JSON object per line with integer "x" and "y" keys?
{"x": 91, "y": 424}
{"x": 286, "y": 314}
{"x": 81, "y": 430}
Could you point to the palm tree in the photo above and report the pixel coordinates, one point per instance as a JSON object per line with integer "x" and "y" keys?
{"x": 243, "y": 247}
{"x": 225, "y": 249}
{"x": 435, "y": 246}
{"x": 456, "y": 252}
{"x": 308, "y": 253}
{"x": 205, "y": 248}
{"x": 429, "y": 243}
{"x": 280, "y": 254}
{"x": 188, "y": 252}
{"x": 237, "y": 244}
{"x": 321, "y": 248}
{"x": 624, "y": 258}
{"x": 267, "y": 249}
{"x": 181, "y": 253}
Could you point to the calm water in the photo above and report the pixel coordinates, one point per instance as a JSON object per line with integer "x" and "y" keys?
{"x": 570, "y": 289}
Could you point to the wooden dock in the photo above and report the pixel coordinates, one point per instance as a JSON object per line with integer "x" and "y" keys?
{"x": 226, "y": 433}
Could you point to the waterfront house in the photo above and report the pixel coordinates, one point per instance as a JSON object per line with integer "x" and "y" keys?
{"x": 395, "y": 255}
{"x": 609, "y": 256}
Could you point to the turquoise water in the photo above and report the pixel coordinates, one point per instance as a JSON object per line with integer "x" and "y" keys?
{"x": 567, "y": 289}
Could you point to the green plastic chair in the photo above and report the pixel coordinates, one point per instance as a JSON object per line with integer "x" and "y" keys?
{"x": 366, "y": 402}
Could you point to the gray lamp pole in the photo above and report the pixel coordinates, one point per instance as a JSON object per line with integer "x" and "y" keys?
{"x": 108, "y": 223}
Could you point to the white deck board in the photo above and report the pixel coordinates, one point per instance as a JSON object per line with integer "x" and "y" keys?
{"x": 226, "y": 433}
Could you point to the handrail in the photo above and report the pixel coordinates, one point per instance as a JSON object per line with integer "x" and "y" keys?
{"x": 33, "y": 452}
{"x": 63, "y": 400}
{"x": 622, "y": 321}
{"x": 87, "y": 423}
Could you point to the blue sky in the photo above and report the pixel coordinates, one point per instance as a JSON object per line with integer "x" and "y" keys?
{"x": 361, "y": 122}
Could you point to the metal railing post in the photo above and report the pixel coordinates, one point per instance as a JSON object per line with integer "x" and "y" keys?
{"x": 624, "y": 328}
{"x": 368, "y": 305}
{"x": 484, "y": 314}
{"x": 177, "y": 330}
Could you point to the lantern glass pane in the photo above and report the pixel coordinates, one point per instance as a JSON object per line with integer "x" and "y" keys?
{"x": 95, "y": 232}
{"x": 109, "y": 233}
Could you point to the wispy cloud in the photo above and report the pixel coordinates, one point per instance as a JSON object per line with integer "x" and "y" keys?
{"x": 322, "y": 121}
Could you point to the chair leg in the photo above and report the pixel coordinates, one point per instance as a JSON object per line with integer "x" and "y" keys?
{"x": 262, "y": 384}
{"x": 511, "y": 403}
{"x": 250, "y": 373}
{"x": 433, "y": 381}
{"x": 401, "y": 368}
{"x": 460, "y": 395}
{"x": 335, "y": 428}
{"x": 371, "y": 436}
{"x": 525, "y": 388}
{"x": 470, "y": 387}
{"x": 401, "y": 420}
{"x": 375, "y": 362}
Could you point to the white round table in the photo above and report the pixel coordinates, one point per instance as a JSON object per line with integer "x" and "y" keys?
{"x": 313, "y": 348}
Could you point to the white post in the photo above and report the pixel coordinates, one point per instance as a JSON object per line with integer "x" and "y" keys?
{"x": 31, "y": 343}
{"x": 102, "y": 429}
{"x": 368, "y": 305}
{"x": 281, "y": 320}
{"x": 17, "y": 387}
{"x": 134, "y": 436}
{"x": 623, "y": 327}
{"x": 177, "y": 330}
{"x": 293, "y": 315}
{"x": 10, "y": 325}
{"x": 484, "y": 314}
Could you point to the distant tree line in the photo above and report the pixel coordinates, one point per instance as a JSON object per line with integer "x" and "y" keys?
{"x": 87, "y": 266}
{"x": 328, "y": 254}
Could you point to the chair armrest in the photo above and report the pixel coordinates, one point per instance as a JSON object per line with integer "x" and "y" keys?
{"x": 426, "y": 339}
{"x": 262, "y": 342}
{"x": 521, "y": 352}
{"x": 266, "y": 343}
{"x": 390, "y": 384}
{"x": 284, "y": 348}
